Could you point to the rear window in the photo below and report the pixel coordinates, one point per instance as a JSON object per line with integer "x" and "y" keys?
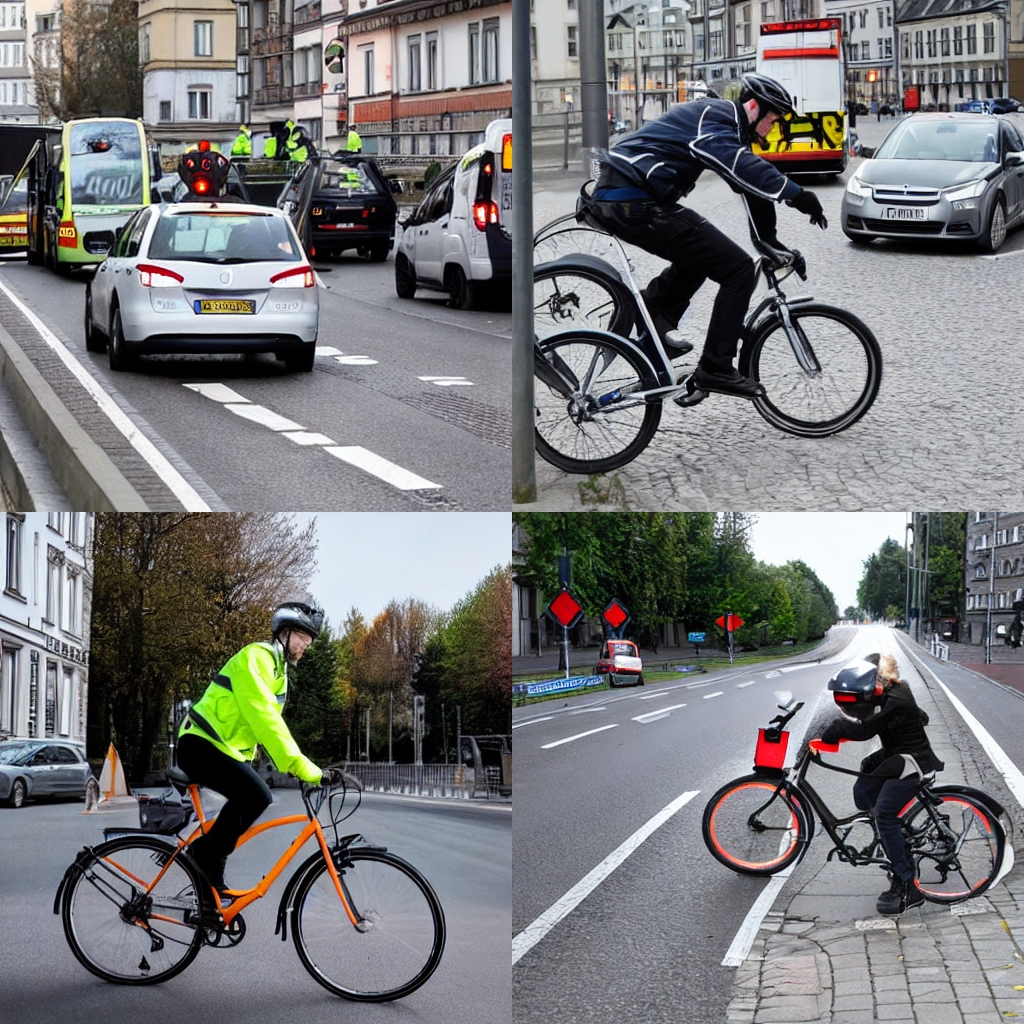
{"x": 223, "y": 237}
{"x": 352, "y": 178}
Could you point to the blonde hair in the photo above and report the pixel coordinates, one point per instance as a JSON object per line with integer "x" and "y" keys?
{"x": 888, "y": 670}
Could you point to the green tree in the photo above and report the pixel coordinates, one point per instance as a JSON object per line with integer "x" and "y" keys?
{"x": 779, "y": 613}
{"x": 851, "y": 612}
{"x": 315, "y": 714}
{"x": 884, "y": 581}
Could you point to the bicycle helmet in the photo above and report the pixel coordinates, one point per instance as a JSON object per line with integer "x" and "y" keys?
{"x": 305, "y": 616}
{"x": 770, "y": 95}
{"x": 857, "y": 688}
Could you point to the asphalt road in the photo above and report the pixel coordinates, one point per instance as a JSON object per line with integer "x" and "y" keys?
{"x": 464, "y": 851}
{"x": 648, "y": 942}
{"x": 371, "y": 388}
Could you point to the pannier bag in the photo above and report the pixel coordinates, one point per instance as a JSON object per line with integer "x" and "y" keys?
{"x": 166, "y": 814}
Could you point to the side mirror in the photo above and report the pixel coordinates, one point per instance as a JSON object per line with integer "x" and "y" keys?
{"x": 1014, "y": 159}
{"x": 396, "y": 186}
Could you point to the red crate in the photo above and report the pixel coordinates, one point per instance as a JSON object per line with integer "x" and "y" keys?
{"x": 769, "y": 753}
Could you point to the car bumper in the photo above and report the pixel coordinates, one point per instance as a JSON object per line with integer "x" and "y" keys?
{"x": 966, "y": 220}
{"x": 219, "y": 332}
{"x": 351, "y": 238}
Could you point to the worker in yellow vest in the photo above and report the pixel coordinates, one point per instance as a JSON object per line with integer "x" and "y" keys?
{"x": 242, "y": 146}
{"x": 353, "y": 144}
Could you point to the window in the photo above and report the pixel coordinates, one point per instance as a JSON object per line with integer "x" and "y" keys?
{"x": 67, "y": 697}
{"x": 14, "y": 524}
{"x": 241, "y": 77}
{"x": 572, "y": 50}
{"x": 888, "y": 17}
{"x": 863, "y": 19}
{"x": 54, "y": 576}
{"x": 888, "y": 46}
{"x": 51, "y": 697}
{"x": 199, "y": 104}
{"x": 491, "y": 26}
{"x": 9, "y": 691}
{"x": 73, "y": 626}
{"x": 474, "y": 53}
{"x": 958, "y": 39}
{"x": 204, "y": 38}
{"x": 972, "y": 38}
{"x": 989, "y": 28}
{"x": 880, "y": 17}
{"x": 979, "y": 572}
{"x": 431, "y": 40}
{"x": 905, "y": 45}
{"x": 981, "y": 543}
{"x": 55, "y": 520}
{"x": 919, "y": 45}
{"x": 415, "y": 66}
{"x": 368, "y": 69}
{"x": 932, "y": 33}
{"x": 144, "y": 44}
{"x": 944, "y": 49}
{"x": 533, "y": 42}
{"x": 33, "y": 694}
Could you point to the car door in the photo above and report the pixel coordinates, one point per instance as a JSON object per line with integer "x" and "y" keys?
{"x": 109, "y": 273}
{"x": 430, "y": 232}
{"x": 43, "y": 772}
{"x": 1011, "y": 142}
{"x": 70, "y": 779}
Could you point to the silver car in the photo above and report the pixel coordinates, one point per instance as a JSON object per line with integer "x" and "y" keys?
{"x": 34, "y": 768}
{"x": 943, "y": 176}
{"x": 204, "y": 277}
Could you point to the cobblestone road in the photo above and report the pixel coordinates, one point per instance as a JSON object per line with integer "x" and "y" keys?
{"x": 945, "y": 429}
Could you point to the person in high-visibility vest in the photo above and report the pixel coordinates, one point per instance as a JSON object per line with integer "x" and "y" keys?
{"x": 242, "y": 146}
{"x": 353, "y": 144}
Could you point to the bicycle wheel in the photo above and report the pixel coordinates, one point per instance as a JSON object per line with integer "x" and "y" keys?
{"x": 129, "y": 915}
{"x": 750, "y": 826}
{"x": 958, "y": 857}
{"x": 830, "y": 399}
{"x": 398, "y": 943}
{"x": 598, "y": 427}
{"x": 569, "y": 297}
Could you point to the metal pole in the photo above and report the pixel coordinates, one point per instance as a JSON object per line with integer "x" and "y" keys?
{"x": 991, "y": 592}
{"x": 524, "y": 474}
{"x": 593, "y": 82}
{"x": 391, "y": 709}
{"x": 636, "y": 78}
{"x": 906, "y": 551}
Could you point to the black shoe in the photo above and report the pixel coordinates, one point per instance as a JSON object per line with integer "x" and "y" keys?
{"x": 675, "y": 344}
{"x": 902, "y": 896}
{"x": 728, "y": 382}
{"x": 692, "y": 396}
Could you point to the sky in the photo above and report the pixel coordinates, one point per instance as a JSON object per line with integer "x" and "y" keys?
{"x": 833, "y": 544}
{"x": 366, "y": 559}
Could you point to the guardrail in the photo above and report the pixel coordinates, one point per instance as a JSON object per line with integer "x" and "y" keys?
{"x": 937, "y": 648}
{"x": 446, "y": 781}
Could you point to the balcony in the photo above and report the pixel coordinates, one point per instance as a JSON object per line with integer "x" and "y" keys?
{"x": 272, "y": 94}
{"x": 307, "y": 89}
{"x": 307, "y": 15}
{"x": 271, "y": 40}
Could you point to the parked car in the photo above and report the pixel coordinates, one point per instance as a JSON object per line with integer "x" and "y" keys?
{"x": 459, "y": 238}
{"x": 352, "y": 206}
{"x": 620, "y": 661}
{"x": 204, "y": 277}
{"x": 946, "y": 176}
{"x": 30, "y": 769}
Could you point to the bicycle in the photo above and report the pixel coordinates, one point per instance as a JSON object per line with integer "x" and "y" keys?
{"x": 366, "y": 924}
{"x": 602, "y": 373}
{"x": 764, "y": 822}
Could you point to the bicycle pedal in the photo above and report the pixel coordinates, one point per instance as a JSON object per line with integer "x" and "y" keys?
{"x": 693, "y": 396}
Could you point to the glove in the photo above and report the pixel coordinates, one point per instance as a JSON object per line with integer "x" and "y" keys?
{"x": 799, "y": 263}
{"x": 806, "y": 202}
{"x": 830, "y": 734}
{"x": 331, "y": 777}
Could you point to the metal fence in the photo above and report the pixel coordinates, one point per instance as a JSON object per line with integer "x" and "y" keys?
{"x": 937, "y": 648}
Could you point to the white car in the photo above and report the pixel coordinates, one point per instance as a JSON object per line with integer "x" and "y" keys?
{"x": 459, "y": 239}
{"x": 204, "y": 277}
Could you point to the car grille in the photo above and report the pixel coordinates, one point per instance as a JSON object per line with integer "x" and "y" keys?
{"x": 897, "y": 194}
{"x": 904, "y": 227}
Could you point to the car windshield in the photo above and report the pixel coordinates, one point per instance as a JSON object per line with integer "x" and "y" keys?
{"x": 17, "y": 753}
{"x": 969, "y": 141}
{"x": 217, "y": 236}
{"x": 337, "y": 176}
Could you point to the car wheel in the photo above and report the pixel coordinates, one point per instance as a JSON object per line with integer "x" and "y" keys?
{"x": 301, "y": 360}
{"x": 17, "y": 797}
{"x": 378, "y": 253}
{"x": 120, "y": 355}
{"x": 405, "y": 277}
{"x": 640, "y": 680}
{"x": 861, "y": 239}
{"x": 460, "y": 291}
{"x": 94, "y": 341}
{"x": 996, "y": 228}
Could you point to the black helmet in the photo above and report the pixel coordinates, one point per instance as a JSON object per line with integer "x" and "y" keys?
{"x": 306, "y": 616}
{"x": 770, "y": 95}
{"x": 856, "y": 688}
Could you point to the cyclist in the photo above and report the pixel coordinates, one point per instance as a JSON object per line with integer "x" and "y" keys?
{"x": 885, "y": 707}
{"x": 240, "y": 708}
{"x": 635, "y": 199}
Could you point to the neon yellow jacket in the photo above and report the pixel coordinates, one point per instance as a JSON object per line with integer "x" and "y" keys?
{"x": 242, "y": 707}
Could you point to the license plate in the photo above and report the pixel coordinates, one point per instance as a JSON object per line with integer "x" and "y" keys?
{"x": 225, "y": 305}
{"x": 904, "y": 213}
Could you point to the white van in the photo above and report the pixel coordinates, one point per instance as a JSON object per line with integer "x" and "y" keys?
{"x": 459, "y": 239}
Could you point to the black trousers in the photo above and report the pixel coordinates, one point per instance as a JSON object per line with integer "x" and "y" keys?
{"x": 247, "y": 794}
{"x": 697, "y": 251}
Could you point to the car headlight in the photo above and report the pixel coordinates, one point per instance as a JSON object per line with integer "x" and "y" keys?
{"x": 971, "y": 190}
{"x": 856, "y": 187}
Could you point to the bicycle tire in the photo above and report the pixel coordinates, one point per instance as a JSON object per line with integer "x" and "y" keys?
{"x": 400, "y": 947}
{"x": 99, "y": 890}
{"x": 739, "y": 845}
{"x": 577, "y": 295}
{"x": 960, "y": 861}
{"x": 604, "y": 437}
{"x": 832, "y": 400}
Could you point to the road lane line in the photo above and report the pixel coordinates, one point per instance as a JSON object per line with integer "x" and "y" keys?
{"x": 534, "y": 932}
{"x": 263, "y": 416}
{"x": 174, "y": 481}
{"x": 532, "y": 721}
{"x": 364, "y": 459}
{"x": 708, "y": 696}
{"x": 739, "y": 686}
{"x": 737, "y": 952}
{"x": 587, "y": 711}
{"x": 650, "y": 696}
{"x": 658, "y": 711}
{"x": 307, "y": 437}
{"x": 578, "y": 736}
{"x": 218, "y": 392}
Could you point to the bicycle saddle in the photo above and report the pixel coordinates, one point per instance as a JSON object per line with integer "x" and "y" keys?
{"x": 779, "y": 257}
{"x": 177, "y": 778}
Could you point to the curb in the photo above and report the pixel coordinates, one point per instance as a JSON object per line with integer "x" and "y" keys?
{"x": 80, "y": 466}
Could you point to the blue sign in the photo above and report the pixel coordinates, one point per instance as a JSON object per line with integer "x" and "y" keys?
{"x": 696, "y": 638}
{"x": 686, "y": 668}
{"x": 555, "y": 685}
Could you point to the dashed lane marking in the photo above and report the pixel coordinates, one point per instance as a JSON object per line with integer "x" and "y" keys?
{"x": 449, "y": 382}
{"x": 708, "y": 696}
{"x": 578, "y": 736}
{"x": 307, "y": 437}
{"x": 262, "y": 415}
{"x": 739, "y": 686}
{"x": 217, "y": 392}
{"x": 532, "y": 721}
{"x": 364, "y": 459}
{"x": 652, "y": 716}
{"x": 355, "y": 360}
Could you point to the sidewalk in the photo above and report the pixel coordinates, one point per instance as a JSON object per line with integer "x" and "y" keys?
{"x": 1007, "y": 662}
{"x": 824, "y": 954}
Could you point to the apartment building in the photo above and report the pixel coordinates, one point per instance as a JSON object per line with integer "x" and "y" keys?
{"x": 994, "y": 571}
{"x": 17, "y": 95}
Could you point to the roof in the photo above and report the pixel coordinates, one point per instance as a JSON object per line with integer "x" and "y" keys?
{"x": 921, "y": 10}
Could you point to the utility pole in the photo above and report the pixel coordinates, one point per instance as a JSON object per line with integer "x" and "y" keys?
{"x": 991, "y": 592}
{"x": 593, "y": 82}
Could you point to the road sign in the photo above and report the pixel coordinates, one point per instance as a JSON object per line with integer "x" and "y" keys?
{"x": 734, "y": 622}
{"x": 615, "y": 614}
{"x": 565, "y": 610}
{"x": 696, "y": 638}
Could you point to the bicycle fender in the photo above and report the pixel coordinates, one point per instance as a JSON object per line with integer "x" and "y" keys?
{"x": 78, "y": 864}
{"x": 982, "y": 797}
{"x": 585, "y": 260}
{"x": 599, "y": 336}
{"x": 285, "y": 905}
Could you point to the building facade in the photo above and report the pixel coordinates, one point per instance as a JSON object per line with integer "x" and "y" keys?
{"x": 868, "y": 49}
{"x": 554, "y": 56}
{"x": 17, "y": 96}
{"x": 994, "y": 571}
{"x": 44, "y": 625}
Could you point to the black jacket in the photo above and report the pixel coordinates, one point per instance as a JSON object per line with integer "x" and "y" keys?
{"x": 899, "y": 725}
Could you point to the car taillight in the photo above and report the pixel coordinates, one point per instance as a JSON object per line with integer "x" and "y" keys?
{"x": 485, "y": 212}
{"x": 157, "y": 277}
{"x": 298, "y": 277}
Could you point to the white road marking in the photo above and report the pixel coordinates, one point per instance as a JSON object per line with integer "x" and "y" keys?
{"x": 307, "y": 437}
{"x": 532, "y": 721}
{"x": 795, "y": 668}
{"x": 366, "y": 460}
{"x": 739, "y": 686}
{"x": 662, "y": 712}
{"x": 578, "y": 736}
{"x": 327, "y": 350}
{"x": 561, "y": 908}
{"x": 218, "y": 392}
{"x": 448, "y": 382}
{"x": 175, "y": 482}
{"x": 262, "y": 415}
{"x": 650, "y": 696}
{"x": 737, "y": 952}
{"x": 708, "y": 696}
{"x": 586, "y": 711}
{"x": 355, "y": 360}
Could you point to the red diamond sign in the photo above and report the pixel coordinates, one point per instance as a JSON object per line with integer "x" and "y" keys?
{"x": 565, "y": 610}
{"x": 734, "y": 622}
{"x": 615, "y": 614}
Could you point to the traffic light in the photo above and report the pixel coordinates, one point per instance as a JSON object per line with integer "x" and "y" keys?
{"x": 204, "y": 171}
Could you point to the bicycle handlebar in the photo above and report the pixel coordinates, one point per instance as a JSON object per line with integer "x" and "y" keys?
{"x": 821, "y": 747}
